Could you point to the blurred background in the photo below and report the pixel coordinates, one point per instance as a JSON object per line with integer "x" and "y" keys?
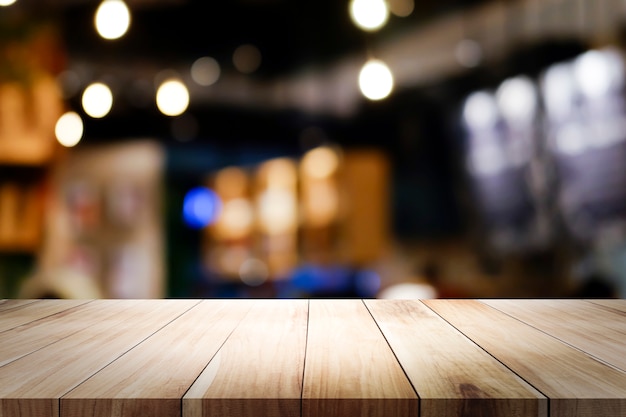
{"x": 312, "y": 148}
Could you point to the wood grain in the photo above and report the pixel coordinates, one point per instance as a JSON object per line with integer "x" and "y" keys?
{"x": 8, "y": 304}
{"x": 576, "y": 384}
{"x": 593, "y": 329}
{"x": 153, "y": 376}
{"x": 350, "y": 369}
{"x": 258, "y": 370}
{"x": 32, "y": 385}
{"x": 27, "y": 312}
{"x": 619, "y": 305}
{"x": 453, "y": 376}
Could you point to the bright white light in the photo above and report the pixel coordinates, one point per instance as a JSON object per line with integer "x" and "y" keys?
{"x": 375, "y": 80}
{"x": 408, "y": 291}
{"x": 593, "y": 73}
{"x": 480, "y": 110}
{"x": 112, "y": 19}
{"x": 69, "y": 129}
{"x": 97, "y": 100}
{"x": 559, "y": 90}
{"x": 205, "y": 71}
{"x": 6, "y": 2}
{"x": 517, "y": 99}
{"x": 172, "y": 97}
{"x": 369, "y": 15}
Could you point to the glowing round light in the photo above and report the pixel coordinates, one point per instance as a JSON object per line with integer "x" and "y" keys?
{"x": 69, "y": 129}
{"x": 205, "y": 71}
{"x": 375, "y": 80}
{"x": 201, "y": 207}
{"x": 320, "y": 162}
{"x": 97, "y": 100}
{"x": 517, "y": 99}
{"x": 236, "y": 219}
{"x": 7, "y": 2}
{"x": 593, "y": 73}
{"x": 401, "y": 8}
{"x": 247, "y": 58}
{"x": 408, "y": 291}
{"x": 480, "y": 110}
{"x": 172, "y": 97}
{"x": 253, "y": 272}
{"x": 369, "y": 15}
{"x": 468, "y": 53}
{"x": 559, "y": 90}
{"x": 277, "y": 210}
{"x": 112, "y": 19}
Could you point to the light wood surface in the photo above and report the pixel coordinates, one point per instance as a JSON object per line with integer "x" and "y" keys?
{"x": 452, "y": 375}
{"x": 577, "y": 384}
{"x": 271, "y": 340}
{"x": 587, "y": 326}
{"x": 312, "y": 358}
{"x": 349, "y": 368}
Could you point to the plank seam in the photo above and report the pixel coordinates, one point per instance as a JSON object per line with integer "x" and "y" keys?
{"x": 41, "y": 318}
{"x": 419, "y": 399}
{"x": 124, "y": 353}
{"x": 493, "y": 356}
{"x": 182, "y": 397}
{"x": 606, "y": 307}
{"x": 306, "y": 346}
{"x": 597, "y": 359}
{"x": 49, "y": 344}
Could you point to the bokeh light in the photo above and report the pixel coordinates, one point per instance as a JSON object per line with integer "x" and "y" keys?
{"x": 517, "y": 99}
{"x": 468, "y": 53}
{"x": 7, "y": 2}
{"x": 401, "y": 8}
{"x": 236, "y": 219}
{"x": 97, "y": 100}
{"x": 69, "y": 129}
{"x": 593, "y": 73}
{"x": 253, "y": 272}
{"x": 247, "y": 58}
{"x": 172, "y": 97}
{"x": 320, "y": 162}
{"x": 277, "y": 210}
{"x": 205, "y": 71}
{"x": 112, "y": 19}
{"x": 480, "y": 110}
{"x": 408, "y": 291}
{"x": 201, "y": 207}
{"x": 375, "y": 80}
{"x": 369, "y": 15}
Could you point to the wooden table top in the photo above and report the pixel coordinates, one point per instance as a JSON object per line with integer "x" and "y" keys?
{"x": 239, "y": 358}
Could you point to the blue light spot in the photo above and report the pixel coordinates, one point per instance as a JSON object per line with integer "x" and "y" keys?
{"x": 367, "y": 283}
{"x": 201, "y": 207}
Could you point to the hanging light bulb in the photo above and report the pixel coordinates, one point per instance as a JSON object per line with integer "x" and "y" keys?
{"x": 369, "y": 15}
{"x": 375, "y": 80}
{"x": 112, "y": 19}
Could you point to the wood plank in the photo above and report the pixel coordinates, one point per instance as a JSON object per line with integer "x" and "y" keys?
{"x": 611, "y": 303}
{"x": 586, "y": 326}
{"x": 32, "y": 385}
{"x": 350, "y": 369}
{"x": 258, "y": 371}
{"x": 28, "y": 312}
{"x": 151, "y": 378}
{"x": 451, "y": 374}
{"x": 576, "y": 384}
{"x": 8, "y": 304}
{"x": 34, "y": 335}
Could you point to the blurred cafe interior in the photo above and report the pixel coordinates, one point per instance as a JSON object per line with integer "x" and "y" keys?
{"x": 312, "y": 148}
